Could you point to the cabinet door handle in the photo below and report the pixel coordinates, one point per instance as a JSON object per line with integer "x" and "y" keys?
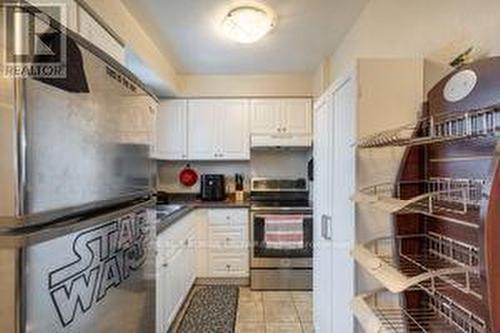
{"x": 165, "y": 264}
{"x": 285, "y": 129}
{"x": 279, "y": 129}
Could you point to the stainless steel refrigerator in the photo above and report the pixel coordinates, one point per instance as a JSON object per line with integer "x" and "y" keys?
{"x": 77, "y": 219}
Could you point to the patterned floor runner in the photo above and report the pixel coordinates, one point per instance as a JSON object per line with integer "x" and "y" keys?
{"x": 212, "y": 309}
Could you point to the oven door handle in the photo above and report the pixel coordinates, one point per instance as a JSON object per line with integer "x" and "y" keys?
{"x": 326, "y": 227}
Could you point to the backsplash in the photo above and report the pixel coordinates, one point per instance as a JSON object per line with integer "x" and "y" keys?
{"x": 263, "y": 163}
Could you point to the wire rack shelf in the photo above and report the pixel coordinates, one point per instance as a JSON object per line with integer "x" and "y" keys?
{"x": 432, "y": 261}
{"x": 438, "y": 128}
{"x": 382, "y": 311}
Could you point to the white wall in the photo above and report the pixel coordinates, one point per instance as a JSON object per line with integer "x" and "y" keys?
{"x": 436, "y": 30}
{"x": 390, "y": 94}
{"x": 321, "y": 78}
{"x": 246, "y": 85}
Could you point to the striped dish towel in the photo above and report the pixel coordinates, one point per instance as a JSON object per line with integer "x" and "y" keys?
{"x": 284, "y": 232}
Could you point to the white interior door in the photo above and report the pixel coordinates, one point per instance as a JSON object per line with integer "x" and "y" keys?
{"x": 322, "y": 257}
{"x": 334, "y": 223}
{"x": 343, "y": 213}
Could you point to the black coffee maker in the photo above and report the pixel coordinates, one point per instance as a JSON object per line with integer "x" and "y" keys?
{"x": 212, "y": 188}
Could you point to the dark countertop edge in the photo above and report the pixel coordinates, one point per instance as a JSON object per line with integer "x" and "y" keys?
{"x": 167, "y": 221}
{"x": 222, "y": 204}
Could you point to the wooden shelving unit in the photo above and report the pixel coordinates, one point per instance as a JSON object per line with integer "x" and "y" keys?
{"x": 440, "y": 266}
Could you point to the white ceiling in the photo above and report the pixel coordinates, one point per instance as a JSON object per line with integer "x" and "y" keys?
{"x": 187, "y": 30}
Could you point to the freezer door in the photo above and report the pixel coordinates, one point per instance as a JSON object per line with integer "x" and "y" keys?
{"x": 81, "y": 144}
{"x": 98, "y": 279}
{"x": 83, "y": 140}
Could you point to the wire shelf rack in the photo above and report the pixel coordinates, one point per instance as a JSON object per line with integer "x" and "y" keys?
{"x": 382, "y": 311}
{"x": 432, "y": 261}
{"x": 457, "y": 200}
{"x": 439, "y": 128}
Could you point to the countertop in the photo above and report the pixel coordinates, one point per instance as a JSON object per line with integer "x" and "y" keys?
{"x": 186, "y": 207}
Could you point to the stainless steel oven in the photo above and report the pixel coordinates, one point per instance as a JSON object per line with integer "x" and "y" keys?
{"x": 281, "y": 267}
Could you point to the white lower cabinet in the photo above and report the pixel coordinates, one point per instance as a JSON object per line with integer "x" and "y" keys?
{"x": 176, "y": 269}
{"x": 228, "y": 264}
{"x": 206, "y": 243}
{"x": 228, "y": 253}
{"x": 224, "y": 244}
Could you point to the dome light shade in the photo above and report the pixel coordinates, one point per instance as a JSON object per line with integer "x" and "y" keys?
{"x": 247, "y": 24}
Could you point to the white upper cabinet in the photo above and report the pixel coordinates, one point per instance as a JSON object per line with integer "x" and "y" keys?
{"x": 76, "y": 16}
{"x": 297, "y": 116}
{"x": 135, "y": 121}
{"x": 68, "y": 11}
{"x": 281, "y": 122}
{"x": 202, "y": 130}
{"x": 218, "y": 130}
{"x": 281, "y": 116}
{"x": 90, "y": 29}
{"x": 171, "y": 131}
{"x": 234, "y": 133}
{"x": 265, "y": 116}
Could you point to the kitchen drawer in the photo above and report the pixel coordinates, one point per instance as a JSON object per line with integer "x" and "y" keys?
{"x": 176, "y": 237}
{"x": 234, "y": 264}
{"x": 235, "y": 237}
{"x": 221, "y": 229}
{"x": 227, "y": 217}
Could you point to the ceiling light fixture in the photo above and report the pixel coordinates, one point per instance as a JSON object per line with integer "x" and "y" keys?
{"x": 248, "y": 24}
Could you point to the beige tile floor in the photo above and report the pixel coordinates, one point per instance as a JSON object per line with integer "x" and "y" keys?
{"x": 274, "y": 311}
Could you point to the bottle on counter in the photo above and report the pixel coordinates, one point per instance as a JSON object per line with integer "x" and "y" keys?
{"x": 239, "y": 191}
